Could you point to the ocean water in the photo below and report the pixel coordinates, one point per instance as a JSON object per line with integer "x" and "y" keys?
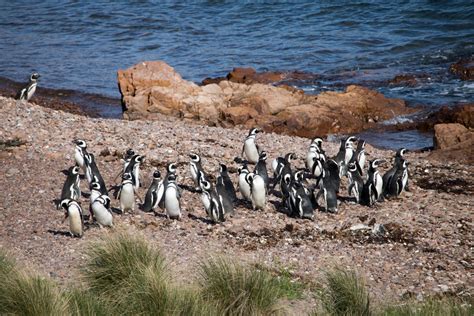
{"x": 80, "y": 45}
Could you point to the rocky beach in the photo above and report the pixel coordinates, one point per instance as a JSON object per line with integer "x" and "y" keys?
{"x": 426, "y": 249}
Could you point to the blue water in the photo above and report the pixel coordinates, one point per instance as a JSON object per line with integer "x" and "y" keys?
{"x": 80, "y": 45}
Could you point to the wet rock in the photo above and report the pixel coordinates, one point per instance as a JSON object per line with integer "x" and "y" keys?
{"x": 464, "y": 68}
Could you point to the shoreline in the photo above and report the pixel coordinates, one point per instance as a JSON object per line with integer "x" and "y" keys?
{"x": 428, "y": 220}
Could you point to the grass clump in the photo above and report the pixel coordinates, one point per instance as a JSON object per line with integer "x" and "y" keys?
{"x": 238, "y": 289}
{"x": 84, "y": 303}
{"x": 344, "y": 293}
{"x": 431, "y": 307}
{"x": 291, "y": 287}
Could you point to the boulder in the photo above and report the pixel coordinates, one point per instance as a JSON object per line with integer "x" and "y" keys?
{"x": 454, "y": 142}
{"x": 153, "y": 88}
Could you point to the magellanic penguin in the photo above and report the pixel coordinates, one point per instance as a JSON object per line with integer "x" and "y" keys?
{"x": 172, "y": 197}
{"x": 315, "y": 151}
{"x": 261, "y": 168}
{"x": 282, "y": 166}
{"x": 244, "y": 187}
{"x": 73, "y": 212}
{"x": 196, "y": 169}
{"x": 80, "y": 151}
{"x": 359, "y": 156}
{"x": 229, "y": 185}
{"x": 26, "y": 93}
{"x": 213, "y": 203}
{"x": 345, "y": 154}
{"x": 329, "y": 186}
{"x": 93, "y": 174}
{"x": 133, "y": 168}
{"x": 101, "y": 211}
{"x": 373, "y": 187}
{"x": 126, "y": 193}
{"x": 154, "y": 194}
{"x": 356, "y": 183}
{"x": 299, "y": 202}
{"x": 399, "y": 156}
{"x": 71, "y": 189}
{"x": 397, "y": 185}
{"x": 223, "y": 195}
{"x": 170, "y": 170}
{"x": 258, "y": 193}
{"x": 250, "y": 148}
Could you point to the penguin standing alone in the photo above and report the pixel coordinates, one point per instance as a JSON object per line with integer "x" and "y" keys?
{"x": 71, "y": 189}
{"x": 250, "y": 148}
{"x": 27, "y": 92}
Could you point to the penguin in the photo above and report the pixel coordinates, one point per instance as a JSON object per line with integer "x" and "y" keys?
{"x": 229, "y": 186}
{"x": 26, "y": 93}
{"x": 359, "y": 156}
{"x": 170, "y": 170}
{"x": 172, "y": 197}
{"x": 301, "y": 205}
{"x": 258, "y": 193}
{"x": 261, "y": 168}
{"x": 250, "y": 148}
{"x": 127, "y": 157}
{"x": 317, "y": 167}
{"x": 373, "y": 187}
{"x": 244, "y": 187}
{"x": 399, "y": 155}
{"x": 356, "y": 183}
{"x": 126, "y": 193}
{"x": 396, "y": 185}
{"x": 329, "y": 198}
{"x": 154, "y": 194}
{"x": 318, "y": 142}
{"x": 95, "y": 193}
{"x": 331, "y": 175}
{"x": 282, "y": 166}
{"x": 213, "y": 202}
{"x": 345, "y": 154}
{"x": 196, "y": 169}
{"x": 93, "y": 174}
{"x": 101, "y": 211}
{"x": 80, "y": 151}
{"x": 133, "y": 168}
{"x": 71, "y": 189}
{"x": 73, "y": 212}
{"x": 315, "y": 151}
{"x": 223, "y": 196}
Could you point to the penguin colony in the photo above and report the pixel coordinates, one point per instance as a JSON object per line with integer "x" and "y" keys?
{"x": 302, "y": 191}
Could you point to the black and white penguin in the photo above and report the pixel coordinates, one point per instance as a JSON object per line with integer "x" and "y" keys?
{"x": 126, "y": 193}
{"x": 261, "y": 168}
{"x": 170, "y": 170}
{"x": 101, "y": 211}
{"x": 73, "y": 212}
{"x": 250, "y": 148}
{"x": 172, "y": 198}
{"x": 93, "y": 173}
{"x": 331, "y": 175}
{"x": 282, "y": 166}
{"x": 80, "y": 151}
{"x": 229, "y": 185}
{"x": 223, "y": 195}
{"x": 213, "y": 202}
{"x": 329, "y": 199}
{"x": 244, "y": 187}
{"x": 359, "y": 156}
{"x": 300, "y": 202}
{"x": 196, "y": 169}
{"x": 399, "y": 155}
{"x": 258, "y": 193}
{"x": 318, "y": 141}
{"x": 373, "y": 187}
{"x": 356, "y": 183}
{"x": 133, "y": 168}
{"x": 397, "y": 182}
{"x": 154, "y": 194}
{"x": 26, "y": 93}
{"x": 315, "y": 151}
{"x": 317, "y": 167}
{"x": 127, "y": 157}
{"x": 345, "y": 154}
{"x": 71, "y": 189}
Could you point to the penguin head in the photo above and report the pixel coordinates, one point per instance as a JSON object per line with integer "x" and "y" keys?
{"x": 129, "y": 153}
{"x": 222, "y": 168}
{"x": 195, "y": 158}
{"x": 352, "y": 167}
{"x": 95, "y": 186}
{"x": 80, "y": 143}
{"x": 361, "y": 144}
{"x": 34, "y": 76}
{"x": 74, "y": 170}
{"x": 249, "y": 178}
{"x": 287, "y": 178}
{"x": 318, "y": 141}
{"x": 204, "y": 184}
{"x": 172, "y": 168}
{"x": 171, "y": 177}
{"x": 243, "y": 169}
{"x": 290, "y": 156}
{"x": 138, "y": 158}
{"x": 254, "y": 131}
{"x": 126, "y": 176}
{"x": 263, "y": 156}
{"x": 401, "y": 152}
{"x": 298, "y": 176}
{"x": 156, "y": 174}
{"x": 351, "y": 139}
{"x": 374, "y": 164}
{"x": 65, "y": 203}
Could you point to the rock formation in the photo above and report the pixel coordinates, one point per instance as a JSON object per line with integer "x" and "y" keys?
{"x": 154, "y": 87}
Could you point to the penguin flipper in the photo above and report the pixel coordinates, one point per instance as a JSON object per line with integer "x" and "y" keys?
{"x": 243, "y": 150}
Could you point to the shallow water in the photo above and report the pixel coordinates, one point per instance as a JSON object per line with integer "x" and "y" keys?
{"x": 79, "y": 45}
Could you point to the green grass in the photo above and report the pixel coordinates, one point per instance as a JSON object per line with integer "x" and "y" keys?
{"x": 291, "y": 286}
{"x": 84, "y": 303}
{"x": 344, "y": 293}
{"x": 431, "y": 307}
{"x": 239, "y": 289}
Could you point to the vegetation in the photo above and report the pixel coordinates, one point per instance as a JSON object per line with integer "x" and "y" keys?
{"x": 123, "y": 275}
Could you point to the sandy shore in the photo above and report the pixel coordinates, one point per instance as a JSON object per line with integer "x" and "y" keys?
{"x": 428, "y": 249}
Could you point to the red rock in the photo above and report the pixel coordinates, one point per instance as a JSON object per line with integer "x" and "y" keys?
{"x": 464, "y": 68}
{"x": 448, "y": 135}
{"x": 239, "y": 114}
